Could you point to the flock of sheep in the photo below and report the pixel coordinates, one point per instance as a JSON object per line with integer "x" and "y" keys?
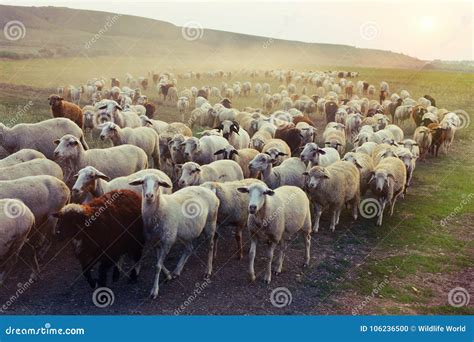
{"x": 271, "y": 169}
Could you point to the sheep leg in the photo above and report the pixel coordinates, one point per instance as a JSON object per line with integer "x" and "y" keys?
{"x": 210, "y": 254}
{"x": 284, "y": 246}
{"x": 103, "y": 269}
{"x": 355, "y": 208}
{"x": 307, "y": 245}
{"x": 137, "y": 257}
{"x": 238, "y": 238}
{"x": 392, "y": 204}
{"x": 383, "y": 202}
{"x": 270, "y": 251}
{"x": 318, "y": 209}
{"x": 334, "y": 218}
{"x": 188, "y": 250}
{"x": 86, "y": 271}
{"x": 161, "y": 254}
{"x": 252, "y": 252}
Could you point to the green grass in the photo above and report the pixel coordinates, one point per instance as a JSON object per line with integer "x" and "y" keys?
{"x": 409, "y": 244}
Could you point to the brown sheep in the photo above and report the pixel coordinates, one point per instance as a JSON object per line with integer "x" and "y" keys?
{"x": 226, "y": 103}
{"x": 292, "y": 136}
{"x": 64, "y": 109}
{"x": 439, "y": 136}
{"x": 150, "y": 110}
{"x": 303, "y": 119}
{"x": 115, "y": 82}
{"x": 330, "y": 108}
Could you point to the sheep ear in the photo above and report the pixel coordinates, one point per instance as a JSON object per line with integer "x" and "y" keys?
{"x": 321, "y": 151}
{"x": 179, "y": 166}
{"x": 282, "y": 154}
{"x": 372, "y": 176}
{"x": 102, "y": 107}
{"x": 103, "y": 176}
{"x": 415, "y": 144}
{"x": 164, "y": 184}
{"x": 391, "y": 176}
{"x": 148, "y": 121}
{"x": 136, "y": 182}
{"x": 75, "y": 176}
{"x": 306, "y": 173}
{"x": 243, "y": 190}
{"x": 234, "y": 152}
{"x": 222, "y": 151}
{"x": 269, "y": 192}
{"x": 197, "y": 170}
{"x": 358, "y": 165}
{"x": 57, "y": 141}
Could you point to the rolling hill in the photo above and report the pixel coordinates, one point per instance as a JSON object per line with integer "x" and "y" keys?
{"x": 63, "y": 32}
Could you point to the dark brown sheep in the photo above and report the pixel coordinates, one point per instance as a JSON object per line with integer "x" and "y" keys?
{"x": 64, "y": 109}
{"x": 105, "y": 229}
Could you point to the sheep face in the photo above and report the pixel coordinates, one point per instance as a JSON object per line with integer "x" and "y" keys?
{"x": 150, "y": 188}
{"x": 316, "y": 176}
{"x": 55, "y": 100}
{"x": 109, "y": 130}
{"x": 71, "y": 219}
{"x": 227, "y": 153}
{"x": 308, "y": 133}
{"x": 257, "y": 193}
{"x": 380, "y": 180}
{"x": 311, "y": 153}
{"x": 335, "y": 144}
{"x": 191, "y": 145}
{"x": 261, "y": 162}
{"x": 276, "y": 155}
{"x": 190, "y": 174}
{"x": 68, "y": 147}
{"x": 107, "y": 111}
{"x": 228, "y": 127}
{"x": 86, "y": 180}
{"x": 257, "y": 143}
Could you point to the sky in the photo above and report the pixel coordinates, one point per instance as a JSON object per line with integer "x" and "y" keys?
{"x": 419, "y": 28}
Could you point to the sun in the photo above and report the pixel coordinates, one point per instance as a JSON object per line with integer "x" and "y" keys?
{"x": 427, "y": 23}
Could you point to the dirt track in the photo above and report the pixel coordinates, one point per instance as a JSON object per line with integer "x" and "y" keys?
{"x": 62, "y": 290}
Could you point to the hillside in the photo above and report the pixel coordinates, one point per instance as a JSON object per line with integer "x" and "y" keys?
{"x": 63, "y": 32}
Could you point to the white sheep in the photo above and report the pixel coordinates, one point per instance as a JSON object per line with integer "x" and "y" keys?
{"x": 182, "y": 216}
{"x": 313, "y": 155}
{"x": 412, "y": 146}
{"x": 217, "y": 171}
{"x": 277, "y": 149}
{"x": 365, "y": 165}
{"x": 43, "y": 195}
{"x": 387, "y": 184}
{"x": 233, "y": 207}
{"x": 396, "y": 132}
{"x": 290, "y": 172}
{"x": 274, "y": 217}
{"x": 367, "y": 148}
{"x": 16, "y": 222}
{"x": 91, "y": 183}
{"x": 35, "y": 167}
{"x": 423, "y": 139}
{"x": 236, "y": 135}
{"x": 144, "y": 137}
{"x": 243, "y": 157}
{"x": 333, "y": 187}
{"x": 202, "y": 151}
{"x": 183, "y": 106}
{"x": 21, "y": 156}
{"x": 111, "y": 111}
{"x": 39, "y": 136}
{"x": 115, "y": 161}
{"x": 409, "y": 160}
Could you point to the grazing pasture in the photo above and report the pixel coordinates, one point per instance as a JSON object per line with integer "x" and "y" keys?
{"x": 406, "y": 266}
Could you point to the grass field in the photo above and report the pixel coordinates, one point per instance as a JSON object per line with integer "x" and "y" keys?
{"x": 410, "y": 263}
